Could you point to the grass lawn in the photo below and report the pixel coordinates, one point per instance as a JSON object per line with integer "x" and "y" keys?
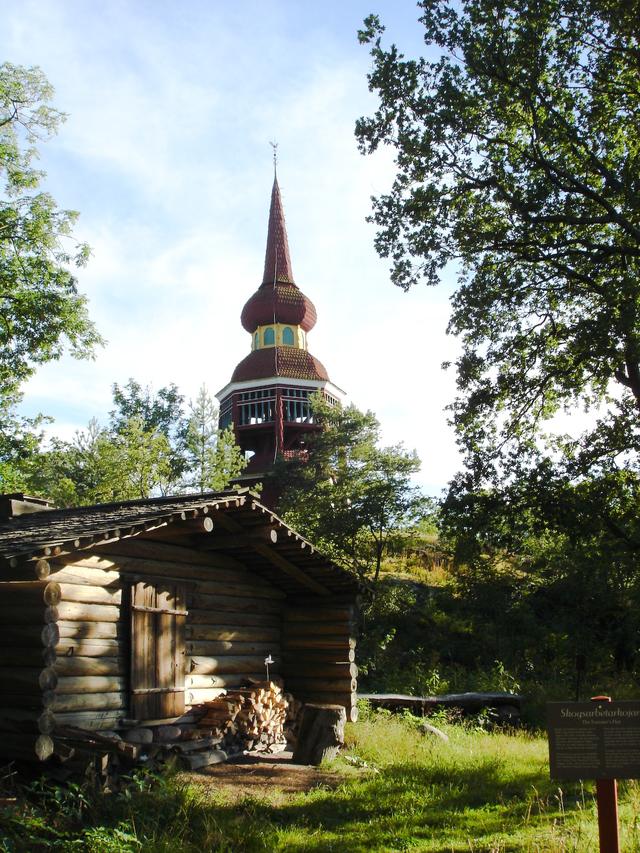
{"x": 400, "y": 790}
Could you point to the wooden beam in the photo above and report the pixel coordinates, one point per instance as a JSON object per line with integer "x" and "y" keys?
{"x": 224, "y": 521}
{"x": 224, "y": 541}
{"x": 140, "y": 548}
{"x": 290, "y": 569}
{"x": 272, "y": 556}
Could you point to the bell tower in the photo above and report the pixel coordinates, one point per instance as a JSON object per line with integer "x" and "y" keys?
{"x": 267, "y": 399}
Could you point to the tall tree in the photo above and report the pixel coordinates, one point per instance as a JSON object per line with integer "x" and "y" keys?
{"x": 20, "y": 443}
{"x": 41, "y": 312}
{"x": 160, "y": 412}
{"x": 102, "y": 466}
{"x": 149, "y": 448}
{"x": 518, "y": 158}
{"x": 350, "y": 495}
{"x": 213, "y": 457}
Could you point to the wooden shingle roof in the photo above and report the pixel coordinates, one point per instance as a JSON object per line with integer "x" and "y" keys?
{"x": 234, "y": 523}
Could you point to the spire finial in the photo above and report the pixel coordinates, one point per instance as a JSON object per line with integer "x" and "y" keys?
{"x": 277, "y": 263}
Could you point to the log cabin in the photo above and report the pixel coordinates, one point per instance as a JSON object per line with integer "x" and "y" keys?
{"x": 129, "y": 614}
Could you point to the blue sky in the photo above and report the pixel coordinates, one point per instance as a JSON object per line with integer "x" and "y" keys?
{"x": 165, "y": 154}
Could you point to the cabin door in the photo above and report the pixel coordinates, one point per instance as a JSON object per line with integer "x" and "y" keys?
{"x": 158, "y": 616}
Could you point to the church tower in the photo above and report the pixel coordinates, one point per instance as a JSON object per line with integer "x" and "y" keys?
{"x": 267, "y": 400}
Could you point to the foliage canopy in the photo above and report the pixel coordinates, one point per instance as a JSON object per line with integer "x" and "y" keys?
{"x": 41, "y": 312}
{"x": 147, "y": 449}
{"x": 518, "y": 158}
{"x": 518, "y": 164}
{"x": 351, "y": 496}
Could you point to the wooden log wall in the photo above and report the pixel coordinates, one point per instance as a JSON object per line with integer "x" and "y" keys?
{"x": 62, "y": 656}
{"x": 64, "y": 640}
{"x": 318, "y": 652}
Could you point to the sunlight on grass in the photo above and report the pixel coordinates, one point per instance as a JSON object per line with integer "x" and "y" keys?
{"x": 402, "y": 789}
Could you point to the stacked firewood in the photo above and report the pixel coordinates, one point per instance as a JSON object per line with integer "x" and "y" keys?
{"x": 255, "y": 717}
{"x": 259, "y": 717}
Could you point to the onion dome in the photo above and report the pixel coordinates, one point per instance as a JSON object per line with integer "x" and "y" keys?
{"x": 278, "y": 303}
{"x": 278, "y": 299}
{"x": 279, "y": 361}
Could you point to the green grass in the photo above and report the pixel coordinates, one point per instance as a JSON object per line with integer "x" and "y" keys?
{"x": 401, "y": 790}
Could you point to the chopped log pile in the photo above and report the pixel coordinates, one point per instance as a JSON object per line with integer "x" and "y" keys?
{"x": 257, "y": 718}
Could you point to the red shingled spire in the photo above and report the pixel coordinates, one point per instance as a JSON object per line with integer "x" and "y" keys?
{"x": 277, "y": 263}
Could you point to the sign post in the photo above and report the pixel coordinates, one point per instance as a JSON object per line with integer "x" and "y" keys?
{"x": 607, "y": 800}
{"x": 596, "y": 740}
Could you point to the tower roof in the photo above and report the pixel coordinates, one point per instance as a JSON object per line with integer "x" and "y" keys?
{"x": 278, "y": 303}
{"x": 278, "y": 299}
{"x": 287, "y": 362}
{"x": 277, "y": 262}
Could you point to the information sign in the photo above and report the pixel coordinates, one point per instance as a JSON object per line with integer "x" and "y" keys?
{"x": 594, "y": 740}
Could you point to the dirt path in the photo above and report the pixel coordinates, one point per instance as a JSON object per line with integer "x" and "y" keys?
{"x": 264, "y": 774}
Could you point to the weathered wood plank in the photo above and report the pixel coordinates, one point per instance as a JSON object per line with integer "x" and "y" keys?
{"x": 230, "y": 617}
{"x": 78, "y": 612}
{"x": 87, "y": 702}
{"x": 318, "y": 642}
{"x": 230, "y": 647}
{"x": 80, "y": 630}
{"x": 315, "y": 669}
{"x": 234, "y": 632}
{"x": 74, "y": 665}
{"x": 314, "y": 656}
{"x": 85, "y": 594}
{"x": 322, "y": 685}
{"x": 238, "y": 604}
{"x": 313, "y": 615}
{"x": 29, "y": 593}
{"x": 139, "y": 548}
{"x": 95, "y": 720}
{"x": 70, "y": 647}
{"x": 84, "y": 576}
{"x": 238, "y": 664}
{"x": 317, "y": 629}
{"x": 87, "y": 684}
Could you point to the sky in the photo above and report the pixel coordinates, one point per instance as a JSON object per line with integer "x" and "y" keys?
{"x": 165, "y": 153}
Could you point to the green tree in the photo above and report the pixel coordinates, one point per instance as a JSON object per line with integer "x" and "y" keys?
{"x": 518, "y": 159}
{"x": 213, "y": 457}
{"x": 351, "y": 496}
{"x": 567, "y": 552}
{"x": 517, "y": 165}
{"x": 156, "y": 412}
{"x": 149, "y": 448}
{"x": 103, "y": 466}
{"x": 41, "y": 312}
{"x": 20, "y": 442}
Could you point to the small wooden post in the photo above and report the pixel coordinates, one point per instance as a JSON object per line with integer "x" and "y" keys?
{"x": 321, "y": 733}
{"x": 607, "y": 800}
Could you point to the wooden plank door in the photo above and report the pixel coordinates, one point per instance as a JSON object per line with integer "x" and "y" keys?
{"x": 158, "y": 617}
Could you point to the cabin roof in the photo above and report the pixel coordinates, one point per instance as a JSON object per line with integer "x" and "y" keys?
{"x": 234, "y": 523}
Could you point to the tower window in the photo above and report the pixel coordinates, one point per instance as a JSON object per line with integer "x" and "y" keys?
{"x": 269, "y": 337}
{"x": 255, "y": 341}
{"x": 287, "y": 336}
